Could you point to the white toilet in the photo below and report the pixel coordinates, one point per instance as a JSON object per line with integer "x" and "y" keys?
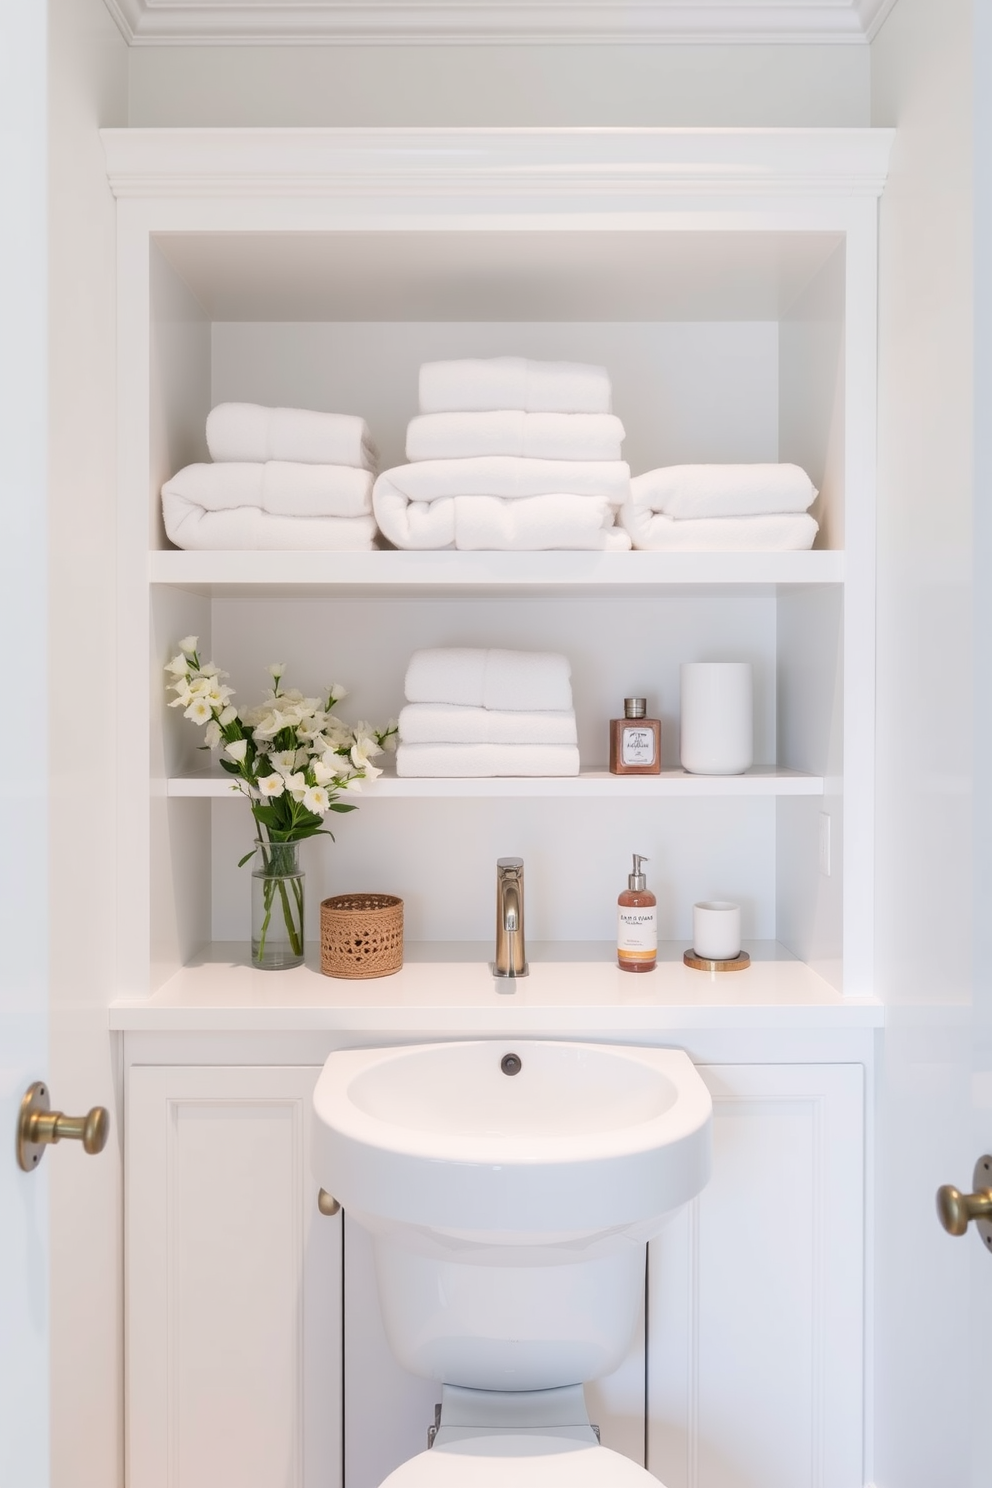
{"x": 510, "y": 1191}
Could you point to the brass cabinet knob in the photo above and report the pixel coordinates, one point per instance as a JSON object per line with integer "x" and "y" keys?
{"x": 956, "y": 1210}
{"x": 38, "y": 1126}
{"x": 327, "y": 1203}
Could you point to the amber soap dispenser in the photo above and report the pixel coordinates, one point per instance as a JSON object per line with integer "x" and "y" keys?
{"x": 635, "y": 741}
{"x": 637, "y": 923}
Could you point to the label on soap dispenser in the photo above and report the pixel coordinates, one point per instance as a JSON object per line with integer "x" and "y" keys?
{"x": 637, "y": 745}
{"x": 637, "y": 932}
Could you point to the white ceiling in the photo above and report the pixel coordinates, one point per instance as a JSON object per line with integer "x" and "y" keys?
{"x": 275, "y": 22}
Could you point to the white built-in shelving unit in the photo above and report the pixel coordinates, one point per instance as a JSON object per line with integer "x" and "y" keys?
{"x": 727, "y": 280}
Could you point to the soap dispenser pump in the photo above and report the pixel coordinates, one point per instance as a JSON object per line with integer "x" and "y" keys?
{"x": 637, "y": 923}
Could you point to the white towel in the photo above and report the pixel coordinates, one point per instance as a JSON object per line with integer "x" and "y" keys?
{"x": 189, "y": 526}
{"x": 542, "y": 436}
{"x": 277, "y": 487}
{"x": 503, "y": 502}
{"x": 779, "y": 533}
{"x": 513, "y": 382}
{"x": 444, "y": 723}
{"x": 514, "y": 681}
{"x": 248, "y": 431}
{"x": 696, "y": 491}
{"x": 485, "y": 760}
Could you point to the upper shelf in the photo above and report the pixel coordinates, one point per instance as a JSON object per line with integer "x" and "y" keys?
{"x": 231, "y": 575}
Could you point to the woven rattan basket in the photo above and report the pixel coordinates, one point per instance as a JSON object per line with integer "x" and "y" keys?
{"x": 361, "y": 935}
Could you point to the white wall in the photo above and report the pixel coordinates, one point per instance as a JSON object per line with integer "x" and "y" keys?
{"x": 489, "y": 85}
{"x": 87, "y": 89}
{"x": 921, "y": 82}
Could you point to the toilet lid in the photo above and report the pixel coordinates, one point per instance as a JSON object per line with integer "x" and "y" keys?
{"x": 525, "y": 1460}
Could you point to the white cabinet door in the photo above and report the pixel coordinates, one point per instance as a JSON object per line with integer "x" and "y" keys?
{"x": 755, "y": 1319}
{"x": 233, "y": 1284}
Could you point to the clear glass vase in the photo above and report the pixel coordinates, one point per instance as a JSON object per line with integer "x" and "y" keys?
{"x": 277, "y": 906}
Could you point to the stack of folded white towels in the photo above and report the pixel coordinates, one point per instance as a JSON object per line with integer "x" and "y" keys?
{"x": 508, "y": 454}
{"x": 486, "y": 713}
{"x": 281, "y": 478}
{"x": 721, "y": 508}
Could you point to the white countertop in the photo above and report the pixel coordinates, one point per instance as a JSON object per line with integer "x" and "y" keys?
{"x": 449, "y": 989}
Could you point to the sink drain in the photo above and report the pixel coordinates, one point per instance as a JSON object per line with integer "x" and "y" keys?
{"x": 511, "y": 1064}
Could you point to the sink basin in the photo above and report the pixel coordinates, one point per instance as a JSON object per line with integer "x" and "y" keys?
{"x": 582, "y": 1139}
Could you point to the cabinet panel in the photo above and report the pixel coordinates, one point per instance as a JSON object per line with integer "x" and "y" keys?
{"x": 233, "y": 1284}
{"x": 756, "y": 1291}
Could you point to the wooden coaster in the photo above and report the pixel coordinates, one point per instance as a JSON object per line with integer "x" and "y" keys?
{"x": 702, "y": 963}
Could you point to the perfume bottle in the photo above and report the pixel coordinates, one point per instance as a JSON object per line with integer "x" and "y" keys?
{"x": 637, "y": 923}
{"x": 635, "y": 741}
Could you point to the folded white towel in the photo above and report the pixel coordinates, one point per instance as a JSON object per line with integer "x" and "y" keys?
{"x": 471, "y": 677}
{"x": 542, "y": 436}
{"x": 485, "y": 760}
{"x": 488, "y": 523}
{"x": 779, "y": 533}
{"x": 277, "y": 487}
{"x": 696, "y": 491}
{"x": 248, "y": 431}
{"x": 444, "y": 723}
{"x": 513, "y": 382}
{"x": 190, "y": 526}
{"x": 503, "y": 502}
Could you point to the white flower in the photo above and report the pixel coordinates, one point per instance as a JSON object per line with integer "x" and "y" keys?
{"x": 183, "y": 700}
{"x": 354, "y": 785}
{"x": 284, "y": 760}
{"x": 371, "y": 772}
{"x": 323, "y": 773}
{"x": 276, "y": 669}
{"x": 272, "y": 785}
{"x": 363, "y": 751}
{"x": 237, "y": 750}
{"x": 188, "y": 644}
{"x": 198, "y": 710}
{"x": 297, "y": 784}
{"x": 316, "y": 800}
{"x": 212, "y": 734}
{"x": 337, "y": 692}
{"x": 228, "y": 716}
{"x": 178, "y": 666}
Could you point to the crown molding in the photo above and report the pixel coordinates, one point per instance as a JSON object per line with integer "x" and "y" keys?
{"x": 496, "y": 164}
{"x": 459, "y": 22}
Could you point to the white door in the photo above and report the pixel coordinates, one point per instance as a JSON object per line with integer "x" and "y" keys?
{"x": 23, "y": 787}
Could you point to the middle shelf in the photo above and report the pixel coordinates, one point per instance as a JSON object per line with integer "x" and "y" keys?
{"x": 762, "y": 780}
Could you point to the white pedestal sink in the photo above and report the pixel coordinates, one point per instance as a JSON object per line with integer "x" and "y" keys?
{"x": 510, "y": 1189}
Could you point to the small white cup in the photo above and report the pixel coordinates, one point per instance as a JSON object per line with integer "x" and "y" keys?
{"x": 716, "y": 734}
{"x": 716, "y": 930}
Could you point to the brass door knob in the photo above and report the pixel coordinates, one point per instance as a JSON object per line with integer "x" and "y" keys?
{"x": 38, "y": 1126}
{"x": 327, "y": 1203}
{"x": 956, "y": 1210}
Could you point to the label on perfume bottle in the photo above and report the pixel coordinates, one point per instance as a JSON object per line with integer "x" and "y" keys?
{"x": 637, "y": 932}
{"x": 637, "y": 745}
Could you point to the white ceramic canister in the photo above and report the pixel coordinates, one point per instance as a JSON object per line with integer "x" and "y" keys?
{"x": 717, "y": 724}
{"x": 716, "y": 930}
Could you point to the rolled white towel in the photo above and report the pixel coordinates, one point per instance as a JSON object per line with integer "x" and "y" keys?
{"x": 190, "y": 526}
{"x": 249, "y": 431}
{"x": 696, "y": 491}
{"x": 277, "y": 487}
{"x": 445, "y": 723}
{"x": 472, "y": 677}
{"x": 459, "y": 761}
{"x": 477, "y": 386}
{"x": 542, "y": 436}
{"x": 780, "y": 533}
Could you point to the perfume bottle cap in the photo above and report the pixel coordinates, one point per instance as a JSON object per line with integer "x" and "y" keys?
{"x": 637, "y": 880}
{"x": 635, "y": 707}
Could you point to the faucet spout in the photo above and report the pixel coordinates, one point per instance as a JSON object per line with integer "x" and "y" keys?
{"x": 511, "y": 952}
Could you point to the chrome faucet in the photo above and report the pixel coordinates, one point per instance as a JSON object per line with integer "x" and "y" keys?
{"x": 511, "y": 952}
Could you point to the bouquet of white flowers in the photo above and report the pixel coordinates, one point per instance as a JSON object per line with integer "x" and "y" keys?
{"x": 292, "y": 759}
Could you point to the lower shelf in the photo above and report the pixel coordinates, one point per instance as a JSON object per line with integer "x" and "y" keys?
{"x": 448, "y": 990}
{"x": 762, "y": 780}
